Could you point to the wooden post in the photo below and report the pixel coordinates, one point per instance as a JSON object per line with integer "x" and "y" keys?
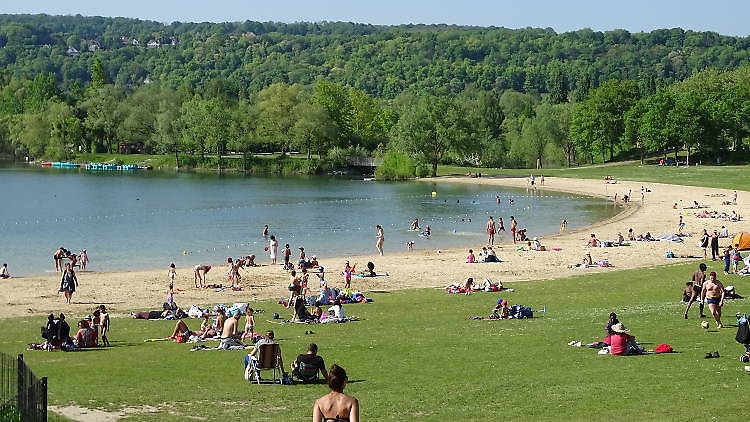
{"x": 21, "y": 390}
{"x": 44, "y": 398}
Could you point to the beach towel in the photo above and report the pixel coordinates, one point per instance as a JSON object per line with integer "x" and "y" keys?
{"x": 369, "y": 276}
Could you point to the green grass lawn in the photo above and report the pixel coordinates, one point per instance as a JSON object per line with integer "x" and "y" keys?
{"x": 416, "y": 357}
{"x": 725, "y": 177}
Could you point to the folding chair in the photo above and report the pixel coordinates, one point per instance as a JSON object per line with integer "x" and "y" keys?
{"x": 268, "y": 359}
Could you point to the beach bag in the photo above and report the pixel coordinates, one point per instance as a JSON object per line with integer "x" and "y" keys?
{"x": 663, "y": 348}
{"x": 743, "y": 331}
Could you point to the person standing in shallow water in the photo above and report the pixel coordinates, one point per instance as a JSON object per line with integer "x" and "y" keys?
{"x": 380, "y": 239}
{"x": 490, "y": 231}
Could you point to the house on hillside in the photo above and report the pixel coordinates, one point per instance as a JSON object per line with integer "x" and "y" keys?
{"x": 172, "y": 41}
{"x": 153, "y": 44}
{"x": 135, "y": 42}
{"x": 72, "y": 51}
{"x": 94, "y": 46}
{"x": 124, "y": 40}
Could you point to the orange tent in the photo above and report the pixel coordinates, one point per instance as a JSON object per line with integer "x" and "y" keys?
{"x": 743, "y": 239}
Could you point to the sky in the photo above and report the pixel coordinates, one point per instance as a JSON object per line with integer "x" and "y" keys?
{"x": 728, "y": 17}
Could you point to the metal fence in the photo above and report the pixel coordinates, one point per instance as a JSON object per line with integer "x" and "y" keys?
{"x": 21, "y": 391}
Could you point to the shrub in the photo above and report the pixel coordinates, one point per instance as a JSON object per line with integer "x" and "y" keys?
{"x": 396, "y": 166}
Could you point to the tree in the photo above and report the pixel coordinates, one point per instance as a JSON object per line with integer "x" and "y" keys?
{"x": 604, "y": 113}
{"x": 314, "y": 127}
{"x": 430, "y": 127}
{"x": 98, "y": 75}
{"x": 275, "y": 113}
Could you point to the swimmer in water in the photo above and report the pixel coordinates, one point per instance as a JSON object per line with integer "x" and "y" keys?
{"x": 414, "y": 224}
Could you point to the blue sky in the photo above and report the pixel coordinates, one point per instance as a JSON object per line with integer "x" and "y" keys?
{"x": 724, "y": 16}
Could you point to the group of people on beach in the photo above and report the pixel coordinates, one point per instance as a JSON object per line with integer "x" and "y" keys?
{"x": 80, "y": 260}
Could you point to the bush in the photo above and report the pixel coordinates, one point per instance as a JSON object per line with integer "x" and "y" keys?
{"x": 396, "y": 166}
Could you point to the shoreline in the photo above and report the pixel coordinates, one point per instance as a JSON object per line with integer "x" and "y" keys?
{"x": 126, "y": 291}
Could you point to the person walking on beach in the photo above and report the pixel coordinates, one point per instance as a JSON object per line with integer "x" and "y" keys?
{"x": 713, "y": 295}
{"x": 513, "y": 228}
{"x": 380, "y": 238}
{"x": 563, "y": 225}
{"x": 680, "y": 226}
{"x": 490, "y": 231}
{"x": 734, "y": 198}
{"x": 699, "y": 277}
{"x": 68, "y": 283}
{"x": 84, "y": 259}
{"x": 273, "y": 249}
{"x": 287, "y": 255}
{"x": 336, "y": 406}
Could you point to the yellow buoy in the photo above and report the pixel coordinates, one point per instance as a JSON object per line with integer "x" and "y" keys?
{"x": 434, "y": 193}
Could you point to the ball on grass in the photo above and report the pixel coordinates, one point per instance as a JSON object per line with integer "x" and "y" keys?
{"x": 704, "y": 324}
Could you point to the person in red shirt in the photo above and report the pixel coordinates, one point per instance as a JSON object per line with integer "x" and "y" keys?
{"x": 622, "y": 343}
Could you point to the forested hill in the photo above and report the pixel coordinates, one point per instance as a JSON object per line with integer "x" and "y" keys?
{"x": 380, "y": 60}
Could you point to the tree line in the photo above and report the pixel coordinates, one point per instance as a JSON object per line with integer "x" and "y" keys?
{"x": 707, "y": 114}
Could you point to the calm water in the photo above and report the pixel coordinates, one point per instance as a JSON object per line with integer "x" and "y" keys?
{"x": 149, "y": 219}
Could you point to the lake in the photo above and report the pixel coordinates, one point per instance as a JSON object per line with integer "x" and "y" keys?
{"x": 148, "y": 219}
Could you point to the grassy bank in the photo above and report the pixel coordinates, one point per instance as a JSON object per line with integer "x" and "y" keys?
{"x": 724, "y": 177}
{"x": 415, "y": 357}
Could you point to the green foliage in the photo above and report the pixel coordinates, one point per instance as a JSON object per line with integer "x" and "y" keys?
{"x": 397, "y": 166}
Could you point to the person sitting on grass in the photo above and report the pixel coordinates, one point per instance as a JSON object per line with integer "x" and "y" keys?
{"x": 500, "y": 311}
{"x": 300, "y": 311}
{"x": 469, "y": 286}
{"x": 307, "y": 365}
{"x": 622, "y": 343}
{"x": 86, "y": 336}
{"x": 231, "y": 334}
{"x": 492, "y": 286}
{"x": 251, "y": 359}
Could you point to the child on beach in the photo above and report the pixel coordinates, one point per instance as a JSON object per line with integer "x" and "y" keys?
{"x": 171, "y": 273}
{"x": 348, "y": 271}
{"x": 84, "y": 258}
{"x": 287, "y": 255}
{"x": 303, "y": 283}
{"x": 321, "y": 278}
{"x": 249, "y": 324}
{"x": 410, "y": 245}
{"x": 471, "y": 259}
{"x": 104, "y": 324}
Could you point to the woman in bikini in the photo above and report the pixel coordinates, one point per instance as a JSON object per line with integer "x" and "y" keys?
{"x": 336, "y": 406}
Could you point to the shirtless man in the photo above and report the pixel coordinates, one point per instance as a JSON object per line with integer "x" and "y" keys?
{"x": 713, "y": 294}
{"x": 491, "y": 231}
{"x": 414, "y": 225}
{"x": 230, "y": 335}
{"x": 200, "y": 280}
{"x": 699, "y": 277}
{"x": 513, "y": 228}
{"x": 58, "y": 257}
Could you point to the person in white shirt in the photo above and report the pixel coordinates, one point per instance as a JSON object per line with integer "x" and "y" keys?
{"x": 724, "y": 232}
{"x": 338, "y": 310}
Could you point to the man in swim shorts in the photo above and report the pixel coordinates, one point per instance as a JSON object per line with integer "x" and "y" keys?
{"x": 699, "y": 277}
{"x": 513, "y": 228}
{"x": 713, "y": 295}
{"x": 490, "y": 231}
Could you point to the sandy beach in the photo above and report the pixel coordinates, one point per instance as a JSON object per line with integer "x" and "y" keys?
{"x": 128, "y": 291}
